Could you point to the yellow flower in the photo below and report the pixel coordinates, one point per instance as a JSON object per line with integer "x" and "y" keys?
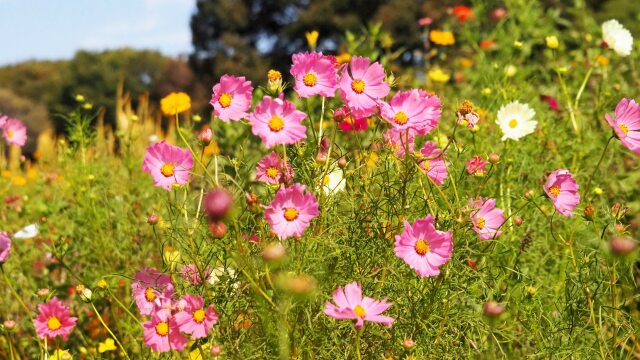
{"x": 175, "y": 103}
{"x": 343, "y": 58}
{"x": 442, "y": 37}
{"x": 18, "y": 180}
{"x": 107, "y": 345}
{"x": 102, "y": 284}
{"x": 312, "y": 39}
{"x": 436, "y": 74}
{"x": 552, "y": 42}
{"x": 61, "y": 355}
{"x": 602, "y": 60}
{"x": 517, "y": 44}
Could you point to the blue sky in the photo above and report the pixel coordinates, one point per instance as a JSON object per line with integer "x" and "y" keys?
{"x": 55, "y": 29}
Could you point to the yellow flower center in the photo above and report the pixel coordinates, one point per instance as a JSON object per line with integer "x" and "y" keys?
{"x": 426, "y": 165}
{"x": 359, "y": 310}
{"x": 400, "y": 118}
{"x": 421, "y": 247}
{"x": 290, "y": 214}
{"x": 198, "y": 316}
{"x": 326, "y": 180}
{"x": 310, "y": 79}
{"x": 225, "y": 100}
{"x": 276, "y": 123}
{"x": 54, "y": 323}
{"x": 480, "y": 222}
{"x": 357, "y": 86}
{"x": 168, "y": 170}
{"x": 162, "y": 328}
{"x": 513, "y": 123}
{"x": 150, "y": 294}
{"x": 272, "y": 172}
{"x": 555, "y": 190}
{"x": 623, "y": 127}
{"x": 10, "y": 133}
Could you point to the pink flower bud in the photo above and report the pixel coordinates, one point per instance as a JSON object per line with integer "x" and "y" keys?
{"x": 517, "y": 220}
{"x": 216, "y": 350}
{"x": 205, "y": 136}
{"x": 494, "y": 158}
{"x": 622, "y": 245}
{"x": 273, "y": 252}
{"x": 9, "y": 324}
{"x": 218, "y": 229}
{"x": 152, "y": 219}
{"x": 498, "y": 14}
{"x": 408, "y": 343}
{"x": 492, "y": 309}
{"x": 217, "y": 203}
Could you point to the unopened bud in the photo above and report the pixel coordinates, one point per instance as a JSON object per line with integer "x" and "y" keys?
{"x": 494, "y": 158}
{"x": 217, "y": 203}
{"x": 197, "y": 118}
{"x": 205, "y": 136}
{"x": 152, "y": 219}
{"x": 517, "y": 220}
{"x": 43, "y": 293}
{"x": 273, "y": 252}
{"x": 218, "y": 229}
{"x": 216, "y": 350}
{"x": 620, "y": 228}
{"x": 342, "y": 162}
{"x": 589, "y": 212}
{"x": 79, "y": 98}
{"x": 622, "y": 245}
{"x": 529, "y": 194}
{"x": 492, "y": 309}
{"x": 9, "y": 324}
{"x": 408, "y": 343}
{"x": 321, "y": 158}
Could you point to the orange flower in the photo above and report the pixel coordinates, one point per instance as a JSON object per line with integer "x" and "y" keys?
{"x": 487, "y": 44}
{"x": 463, "y": 13}
{"x": 442, "y": 37}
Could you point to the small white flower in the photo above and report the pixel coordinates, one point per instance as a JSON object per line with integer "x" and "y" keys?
{"x": 516, "y": 120}
{"x": 617, "y": 37}
{"x": 27, "y": 232}
{"x": 334, "y": 182}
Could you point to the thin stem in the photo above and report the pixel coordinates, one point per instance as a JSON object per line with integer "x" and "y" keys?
{"x": 193, "y": 154}
{"x": 109, "y": 330}
{"x": 358, "y": 336}
{"x": 122, "y": 306}
{"x": 320, "y": 130}
{"x": 595, "y": 169}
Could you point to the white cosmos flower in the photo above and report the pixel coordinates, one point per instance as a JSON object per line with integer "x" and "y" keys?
{"x": 617, "y": 37}
{"x": 516, "y": 120}
{"x": 27, "y": 232}
{"x": 334, "y": 182}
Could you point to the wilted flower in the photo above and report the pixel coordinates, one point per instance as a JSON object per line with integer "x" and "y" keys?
{"x": 475, "y": 166}
{"x": 269, "y": 169}
{"x": 433, "y": 163}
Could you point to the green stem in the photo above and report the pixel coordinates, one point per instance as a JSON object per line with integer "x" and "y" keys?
{"x": 358, "y": 336}
{"x": 193, "y": 154}
{"x": 122, "y": 306}
{"x": 595, "y": 169}
{"x": 109, "y": 330}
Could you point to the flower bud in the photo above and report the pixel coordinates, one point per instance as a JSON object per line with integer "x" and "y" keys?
{"x": 43, "y": 293}
{"x": 589, "y": 212}
{"x": 216, "y": 350}
{"x": 492, "y": 309}
{"x": 205, "y": 136}
{"x": 618, "y": 211}
{"x": 217, "y": 203}
{"x": 80, "y": 98}
{"x": 620, "y": 228}
{"x": 622, "y": 245}
{"x": 218, "y": 229}
{"x": 529, "y": 194}
{"x": 408, "y": 343}
{"x": 196, "y": 118}
{"x": 321, "y": 158}
{"x": 494, "y": 158}
{"x": 498, "y": 14}
{"x": 517, "y": 220}
{"x": 9, "y": 324}
{"x": 152, "y": 219}
{"x": 273, "y": 252}
{"x": 342, "y": 162}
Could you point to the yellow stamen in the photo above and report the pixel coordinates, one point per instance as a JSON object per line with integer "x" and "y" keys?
{"x": 168, "y": 170}
{"x": 54, "y": 323}
{"x": 310, "y": 79}
{"x": 623, "y": 127}
{"x": 400, "y": 118}
{"x": 272, "y": 172}
{"x": 10, "y": 133}
{"x": 480, "y": 222}
{"x": 513, "y": 123}
{"x": 276, "y": 123}
{"x": 426, "y": 165}
{"x": 359, "y": 310}
{"x": 290, "y": 214}
{"x": 421, "y": 247}
{"x": 225, "y": 100}
{"x": 162, "y": 328}
{"x": 555, "y": 190}
{"x": 150, "y": 294}
{"x": 198, "y": 316}
{"x": 357, "y": 86}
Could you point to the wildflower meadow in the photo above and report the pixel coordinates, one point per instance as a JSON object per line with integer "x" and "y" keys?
{"x": 480, "y": 202}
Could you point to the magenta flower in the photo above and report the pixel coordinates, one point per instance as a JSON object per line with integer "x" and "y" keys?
{"x": 53, "y": 320}
{"x": 423, "y": 247}
{"x": 194, "y": 319}
{"x": 400, "y": 141}
{"x": 14, "y": 132}
{"x": 486, "y": 217}
{"x": 190, "y": 274}
{"x": 412, "y": 109}
{"x": 269, "y": 169}
{"x": 562, "y": 189}
{"x": 5, "y": 246}
{"x": 149, "y": 288}
{"x": 162, "y": 333}
{"x": 433, "y": 164}
{"x": 626, "y": 124}
{"x": 231, "y": 98}
{"x": 315, "y": 74}
{"x": 475, "y": 166}
{"x": 349, "y": 304}
{"x": 551, "y": 101}
{"x": 168, "y": 165}
{"x": 349, "y": 120}
{"x": 276, "y": 121}
{"x": 364, "y": 86}
{"x": 291, "y": 211}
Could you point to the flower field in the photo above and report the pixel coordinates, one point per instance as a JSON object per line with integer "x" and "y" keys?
{"x": 483, "y": 202}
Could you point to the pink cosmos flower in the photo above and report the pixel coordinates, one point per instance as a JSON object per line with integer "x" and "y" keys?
{"x": 471, "y": 118}
{"x": 413, "y": 109}
{"x": 486, "y": 218}
{"x": 349, "y": 120}
{"x": 562, "y": 189}
{"x": 194, "y": 319}
{"x": 5, "y": 246}
{"x": 190, "y": 274}
{"x": 315, "y": 74}
{"x": 149, "y": 288}
{"x": 433, "y": 164}
{"x": 349, "y": 304}
{"x": 168, "y": 165}
{"x": 423, "y": 247}
{"x": 269, "y": 169}
{"x": 162, "y": 333}
{"x": 291, "y": 211}
{"x": 231, "y": 98}
{"x": 364, "y": 86}
{"x": 626, "y": 124}
{"x": 53, "y": 320}
{"x": 15, "y": 132}
{"x": 3, "y": 120}
{"x": 475, "y": 166}
{"x": 400, "y": 141}
{"x": 276, "y": 121}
